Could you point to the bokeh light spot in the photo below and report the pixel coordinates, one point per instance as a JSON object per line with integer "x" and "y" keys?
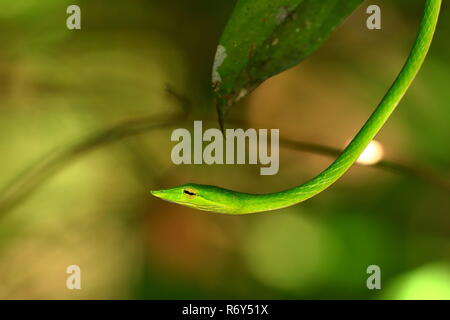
{"x": 430, "y": 282}
{"x": 286, "y": 251}
{"x": 372, "y": 154}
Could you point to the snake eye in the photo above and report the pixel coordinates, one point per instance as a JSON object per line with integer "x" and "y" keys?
{"x": 190, "y": 193}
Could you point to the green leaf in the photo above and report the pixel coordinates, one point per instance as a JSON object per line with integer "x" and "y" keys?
{"x": 265, "y": 37}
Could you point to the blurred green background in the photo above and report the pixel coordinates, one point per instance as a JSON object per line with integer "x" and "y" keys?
{"x": 59, "y": 86}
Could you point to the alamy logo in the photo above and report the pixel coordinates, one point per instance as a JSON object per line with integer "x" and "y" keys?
{"x": 374, "y": 20}
{"x": 73, "y": 22}
{"x": 234, "y": 142}
{"x": 374, "y": 280}
{"x": 74, "y": 280}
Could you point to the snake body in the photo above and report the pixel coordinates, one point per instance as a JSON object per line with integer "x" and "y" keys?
{"x": 216, "y": 199}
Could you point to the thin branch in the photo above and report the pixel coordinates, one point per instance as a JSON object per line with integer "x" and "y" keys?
{"x": 33, "y": 177}
{"x": 409, "y": 170}
{"x": 37, "y": 174}
{"x": 415, "y": 171}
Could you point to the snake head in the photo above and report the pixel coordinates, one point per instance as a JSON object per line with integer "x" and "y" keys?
{"x": 201, "y": 197}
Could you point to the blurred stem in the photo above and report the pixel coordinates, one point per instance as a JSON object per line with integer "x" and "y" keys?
{"x": 37, "y": 174}
{"x": 409, "y": 170}
{"x": 33, "y": 177}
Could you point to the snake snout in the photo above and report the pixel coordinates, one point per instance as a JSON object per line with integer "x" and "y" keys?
{"x": 158, "y": 193}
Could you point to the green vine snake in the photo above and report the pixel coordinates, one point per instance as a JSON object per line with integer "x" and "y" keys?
{"x": 215, "y": 199}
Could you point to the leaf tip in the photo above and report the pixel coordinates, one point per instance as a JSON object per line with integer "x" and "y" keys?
{"x": 220, "y": 116}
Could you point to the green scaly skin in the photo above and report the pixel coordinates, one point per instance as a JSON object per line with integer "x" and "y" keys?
{"x": 215, "y": 199}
